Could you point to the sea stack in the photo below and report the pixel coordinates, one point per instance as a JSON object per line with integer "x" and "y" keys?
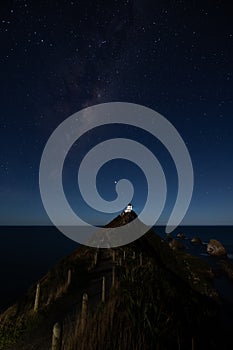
{"x": 215, "y": 248}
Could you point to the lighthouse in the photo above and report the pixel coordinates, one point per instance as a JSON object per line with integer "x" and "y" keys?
{"x": 129, "y": 208}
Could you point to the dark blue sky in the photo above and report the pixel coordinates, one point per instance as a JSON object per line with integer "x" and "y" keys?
{"x": 60, "y": 57}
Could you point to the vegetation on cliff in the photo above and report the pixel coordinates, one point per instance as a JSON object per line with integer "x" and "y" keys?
{"x": 160, "y": 299}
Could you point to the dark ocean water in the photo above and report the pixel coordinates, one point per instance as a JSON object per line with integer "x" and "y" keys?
{"x": 26, "y": 254}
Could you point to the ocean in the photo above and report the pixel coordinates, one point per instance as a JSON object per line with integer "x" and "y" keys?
{"x": 28, "y": 252}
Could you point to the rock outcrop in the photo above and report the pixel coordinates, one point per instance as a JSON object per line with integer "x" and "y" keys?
{"x": 227, "y": 268}
{"x": 176, "y": 245}
{"x": 196, "y": 240}
{"x": 177, "y": 285}
{"x": 215, "y": 248}
{"x": 181, "y": 235}
{"x": 168, "y": 236}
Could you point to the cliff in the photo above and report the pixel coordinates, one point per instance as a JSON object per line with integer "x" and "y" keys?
{"x": 152, "y": 297}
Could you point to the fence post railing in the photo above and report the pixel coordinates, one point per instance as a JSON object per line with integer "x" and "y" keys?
{"x": 140, "y": 259}
{"x": 113, "y": 256}
{"x": 69, "y": 278}
{"x": 57, "y": 337}
{"x": 84, "y": 311}
{"x": 37, "y": 298}
{"x": 124, "y": 255}
{"x": 103, "y": 289}
{"x": 95, "y": 258}
{"x": 113, "y": 275}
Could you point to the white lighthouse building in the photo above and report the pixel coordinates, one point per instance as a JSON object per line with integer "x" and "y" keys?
{"x": 129, "y": 208}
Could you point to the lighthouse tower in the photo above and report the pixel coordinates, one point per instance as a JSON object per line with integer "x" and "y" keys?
{"x": 129, "y": 208}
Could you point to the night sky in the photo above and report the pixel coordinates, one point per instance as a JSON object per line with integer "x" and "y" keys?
{"x": 58, "y": 57}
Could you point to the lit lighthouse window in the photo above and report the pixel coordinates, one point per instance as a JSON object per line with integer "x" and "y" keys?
{"x": 129, "y": 208}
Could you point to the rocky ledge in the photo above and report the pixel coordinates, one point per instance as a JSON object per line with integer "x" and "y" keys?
{"x": 215, "y": 248}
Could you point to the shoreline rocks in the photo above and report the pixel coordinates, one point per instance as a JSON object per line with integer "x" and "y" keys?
{"x": 181, "y": 235}
{"x": 215, "y": 248}
{"x": 227, "y": 268}
{"x": 196, "y": 240}
{"x": 176, "y": 245}
{"x": 168, "y": 236}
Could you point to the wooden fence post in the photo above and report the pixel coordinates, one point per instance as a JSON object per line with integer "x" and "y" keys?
{"x": 84, "y": 311}
{"x": 69, "y": 278}
{"x": 95, "y": 258}
{"x": 124, "y": 255}
{"x": 103, "y": 289}
{"x": 192, "y": 343}
{"x": 57, "y": 337}
{"x": 37, "y": 298}
{"x": 113, "y": 256}
{"x": 113, "y": 275}
{"x": 140, "y": 259}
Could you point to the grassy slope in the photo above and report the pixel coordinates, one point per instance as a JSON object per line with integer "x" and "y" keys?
{"x": 166, "y": 302}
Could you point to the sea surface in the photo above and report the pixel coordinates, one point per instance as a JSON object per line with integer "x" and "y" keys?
{"x": 28, "y": 252}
